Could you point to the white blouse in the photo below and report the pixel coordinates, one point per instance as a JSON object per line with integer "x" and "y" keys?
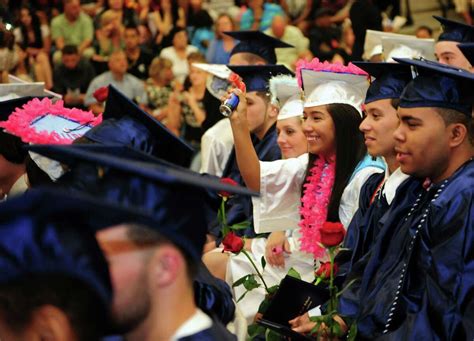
{"x": 277, "y": 208}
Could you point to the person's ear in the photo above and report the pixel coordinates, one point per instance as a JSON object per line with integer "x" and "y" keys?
{"x": 273, "y": 111}
{"x": 457, "y": 134}
{"x": 165, "y": 265}
{"x": 50, "y": 323}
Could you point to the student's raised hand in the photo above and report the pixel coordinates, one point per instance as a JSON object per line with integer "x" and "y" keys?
{"x": 239, "y": 115}
{"x": 277, "y": 246}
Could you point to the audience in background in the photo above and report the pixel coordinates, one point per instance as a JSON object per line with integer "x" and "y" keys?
{"x": 178, "y": 53}
{"x": 117, "y": 75}
{"x": 159, "y": 86}
{"x": 72, "y": 77}
{"x": 220, "y": 47}
{"x": 139, "y": 58}
{"x": 73, "y": 27}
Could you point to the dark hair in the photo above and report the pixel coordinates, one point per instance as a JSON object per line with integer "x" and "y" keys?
{"x": 451, "y": 116}
{"x": 177, "y": 29}
{"x": 20, "y": 298}
{"x": 11, "y": 148}
{"x": 146, "y": 237}
{"x": 70, "y": 49}
{"x": 35, "y": 23}
{"x": 265, "y": 95}
{"x": 395, "y": 103}
{"x": 36, "y": 176}
{"x": 132, "y": 26}
{"x": 350, "y": 149}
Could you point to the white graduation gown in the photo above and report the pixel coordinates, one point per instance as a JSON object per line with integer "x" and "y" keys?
{"x": 277, "y": 209}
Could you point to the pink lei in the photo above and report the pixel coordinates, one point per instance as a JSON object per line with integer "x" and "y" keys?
{"x": 314, "y": 205}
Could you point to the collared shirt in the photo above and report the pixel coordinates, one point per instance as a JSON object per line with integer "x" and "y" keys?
{"x": 392, "y": 182}
{"x": 195, "y": 324}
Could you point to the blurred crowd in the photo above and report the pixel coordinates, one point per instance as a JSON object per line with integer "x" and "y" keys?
{"x": 145, "y": 47}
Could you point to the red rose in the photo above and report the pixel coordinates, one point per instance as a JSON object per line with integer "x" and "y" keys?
{"x": 227, "y": 181}
{"x": 332, "y": 234}
{"x": 101, "y": 94}
{"x": 232, "y": 243}
{"x": 325, "y": 270}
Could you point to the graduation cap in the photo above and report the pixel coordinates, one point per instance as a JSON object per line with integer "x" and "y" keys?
{"x": 42, "y": 121}
{"x": 468, "y": 50}
{"x": 173, "y": 196}
{"x": 127, "y": 124}
{"x": 402, "y": 47}
{"x": 390, "y": 80}
{"x": 373, "y": 42}
{"x": 257, "y": 43}
{"x": 49, "y": 233}
{"x": 326, "y": 83}
{"x": 455, "y": 31}
{"x": 286, "y": 92}
{"x": 217, "y": 84}
{"x": 257, "y": 77}
{"x": 438, "y": 85}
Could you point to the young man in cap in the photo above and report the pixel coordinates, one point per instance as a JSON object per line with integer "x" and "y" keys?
{"x": 156, "y": 271}
{"x": 54, "y": 281}
{"x": 254, "y": 48}
{"x": 378, "y": 126}
{"x": 418, "y": 276}
{"x": 446, "y": 49}
{"x": 261, "y": 117}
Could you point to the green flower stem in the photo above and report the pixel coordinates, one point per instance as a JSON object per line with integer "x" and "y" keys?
{"x": 225, "y": 228}
{"x": 332, "y": 302}
{"x": 256, "y": 269}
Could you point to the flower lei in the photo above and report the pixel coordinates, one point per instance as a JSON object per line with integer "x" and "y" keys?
{"x": 314, "y": 205}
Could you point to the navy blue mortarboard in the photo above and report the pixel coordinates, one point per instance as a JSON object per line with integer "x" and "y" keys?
{"x": 438, "y": 85}
{"x": 9, "y": 106}
{"x": 390, "y": 80}
{"x": 49, "y": 233}
{"x": 127, "y": 124}
{"x": 468, "y": 50}
{"x": 257, "y": 43}
{"x": 455, "y": 31}
{"x": 257, "y": 77}
{"x": 175, "y": 197}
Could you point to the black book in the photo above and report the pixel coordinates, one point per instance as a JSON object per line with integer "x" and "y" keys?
{"x": 293, "y": 298}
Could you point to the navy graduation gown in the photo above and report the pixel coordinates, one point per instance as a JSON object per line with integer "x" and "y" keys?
{"x": 419, "y": 279}
{"x": 361, "y": 225}
{"x": 213, "y": 296}
{"x": 239, "y": 208}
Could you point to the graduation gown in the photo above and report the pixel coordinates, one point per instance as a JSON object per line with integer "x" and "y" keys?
{"x": 240, "y": 207}
{"x": 280, "y": 185}
{"x": 418, "y": 281}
